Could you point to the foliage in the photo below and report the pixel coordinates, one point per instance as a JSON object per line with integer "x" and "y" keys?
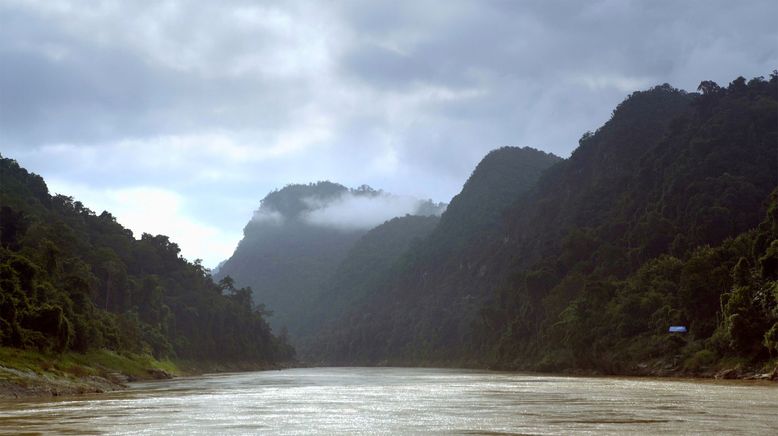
{"x": 654, "y": 221}
{"x": 427, "y": 300}
{"x": 370, "y": 264}
{"x": 283, "y": 258}
{"x": 72, "y": 280}
{"x": 657, "y": 219}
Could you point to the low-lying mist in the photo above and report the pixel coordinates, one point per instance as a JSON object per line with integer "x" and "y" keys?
{"x": 349, "y": 210}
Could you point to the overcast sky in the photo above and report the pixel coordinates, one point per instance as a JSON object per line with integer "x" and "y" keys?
{"x": 178, "y": 117}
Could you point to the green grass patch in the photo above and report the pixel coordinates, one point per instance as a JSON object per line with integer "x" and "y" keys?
{"x": 93, "y": 362}
{"x": 24, "y": 360}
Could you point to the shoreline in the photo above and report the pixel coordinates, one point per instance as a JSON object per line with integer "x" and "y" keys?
{"x": 26, "y": 374}
{"x": 31, "y": 374}
{"x": 28, "y": 384}
{"x": 723, "y": 371}
{"x": 50, "y": 380}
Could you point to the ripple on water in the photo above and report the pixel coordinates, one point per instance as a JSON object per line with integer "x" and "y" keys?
{"x": 403, "y": 401}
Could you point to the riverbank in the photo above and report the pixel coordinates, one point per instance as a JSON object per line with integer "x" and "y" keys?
{"x": 28, "y": 373}
{"x": 729, "y": 368}
{"x": 723, "y": 369}
{"x": 723, "y": 373}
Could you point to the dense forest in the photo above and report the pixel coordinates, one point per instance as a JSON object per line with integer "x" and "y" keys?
{"x": 72, "y": 280}
{"x": 661, "y": 217}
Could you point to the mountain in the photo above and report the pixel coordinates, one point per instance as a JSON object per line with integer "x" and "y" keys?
{"x": 72, "y": 280}
{"x": 660, "y": 217}
{"x": 644, "y": 227}
{"x": 373, "y": 260}
{"x": 300, "y": 235}
{"x": 434, "y": 289}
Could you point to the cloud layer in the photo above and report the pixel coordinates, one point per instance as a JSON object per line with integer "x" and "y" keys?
{"x": 220, "y": 103}
{"x": 348, "y": 210}
{"x": 362, "y": 212}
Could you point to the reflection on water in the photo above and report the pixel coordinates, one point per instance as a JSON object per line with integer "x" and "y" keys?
{"x": 403, "y": 401}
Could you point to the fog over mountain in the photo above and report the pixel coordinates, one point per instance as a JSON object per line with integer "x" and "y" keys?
{"x": 354, "y": 211}
{"x": 299, "y": 235}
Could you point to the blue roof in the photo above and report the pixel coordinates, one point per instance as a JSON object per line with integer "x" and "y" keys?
{"x": 677, "y": 329}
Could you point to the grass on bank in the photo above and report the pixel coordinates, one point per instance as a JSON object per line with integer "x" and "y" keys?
{"x": 92, "y": 363}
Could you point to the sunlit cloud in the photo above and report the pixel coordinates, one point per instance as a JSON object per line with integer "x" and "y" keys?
{"x": 131, "y": 206}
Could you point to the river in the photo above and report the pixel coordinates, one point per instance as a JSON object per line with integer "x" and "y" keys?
{"x": 404, "y": 401}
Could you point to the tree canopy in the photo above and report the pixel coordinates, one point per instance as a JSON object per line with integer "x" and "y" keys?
{"x": 71, "y": 279}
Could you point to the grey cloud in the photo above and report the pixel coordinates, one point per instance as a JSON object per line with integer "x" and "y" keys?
{"x": 61, "y": 86}
{"x": 547, "y": 71}
{"x": 551, "y": 40}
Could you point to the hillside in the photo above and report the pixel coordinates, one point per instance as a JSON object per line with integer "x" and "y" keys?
{"x": 373, "y": 260}
{"x": 75, "y": 281}
{"x": 653, "y": 221}
{"x": 644, "y": 227}
{"x": 435, "y": 288}
{"x": 299, "y": 236}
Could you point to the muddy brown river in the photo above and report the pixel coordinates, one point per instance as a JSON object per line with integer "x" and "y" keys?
{"x": 405, "y": 401}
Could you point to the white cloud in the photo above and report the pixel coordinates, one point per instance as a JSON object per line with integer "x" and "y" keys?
{"x": 266, "y": 216}
{"x": 350, "y": 211}
{"x": 183, "y": 158}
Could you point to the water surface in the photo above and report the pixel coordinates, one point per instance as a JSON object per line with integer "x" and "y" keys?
{"x": 404, "y": 401}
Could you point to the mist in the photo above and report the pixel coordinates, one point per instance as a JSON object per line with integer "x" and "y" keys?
{"x": 267, "y": 216}
{"x": 349, "y": 210}
{"x": 352, "y": 211}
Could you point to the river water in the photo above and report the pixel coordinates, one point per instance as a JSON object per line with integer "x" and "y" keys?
{"x": 404, "y": 401}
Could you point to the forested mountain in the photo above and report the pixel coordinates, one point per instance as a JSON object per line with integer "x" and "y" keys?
{"x": 432, "y": 294}
{"x": 370, "y": 263}
{"x": 74, "y": 280}
{"x": 648, "y": 224}
{"x": 653, "y": 221}
{"x": 300, "y": 235}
